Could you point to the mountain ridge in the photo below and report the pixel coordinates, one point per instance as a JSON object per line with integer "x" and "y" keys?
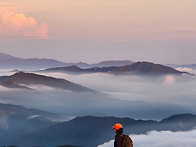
{"x": 16, "y": 119}
{"x": 11, "y": 62}
{"x": 191, "y": 66}
{"x": 138, "y": 68}
{"x": 144, "y": 67}
{"x": 23, "y": 80}
{"x": 91, "y": 131}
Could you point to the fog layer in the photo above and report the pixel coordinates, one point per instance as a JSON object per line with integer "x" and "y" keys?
{"x": 158, "y": 89}
{"x": 162, "y": 139}
{"x": 123, "y": 96}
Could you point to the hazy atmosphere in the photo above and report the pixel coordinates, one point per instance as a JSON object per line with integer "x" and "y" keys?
{"x": 52, "y": 74}
{"x": 92, "y": 31}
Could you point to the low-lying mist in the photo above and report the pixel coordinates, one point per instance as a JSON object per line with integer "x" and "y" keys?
{"x": 162, "y": 139}
{"x": 123, "y": 96}
{"x": 156, "y": 89}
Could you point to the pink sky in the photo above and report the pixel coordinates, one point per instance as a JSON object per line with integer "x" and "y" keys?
{"x": 111, "y": 19}
{"x": 100, "y": 20}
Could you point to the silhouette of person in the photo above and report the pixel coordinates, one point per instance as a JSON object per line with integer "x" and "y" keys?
{"x": 118, "y": 128}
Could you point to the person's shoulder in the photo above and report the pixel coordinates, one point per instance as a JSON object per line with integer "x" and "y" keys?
{"x": 119, "y": 135}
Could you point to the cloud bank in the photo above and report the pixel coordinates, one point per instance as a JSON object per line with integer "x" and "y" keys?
{"x": 162, "y": 139}
{"x": 167, "y": 95}
{"x": 14, "y": 24}
{"x": 184, "y": 69}
{"x": 169, "y": 80}
{"x": 169, "y": 88}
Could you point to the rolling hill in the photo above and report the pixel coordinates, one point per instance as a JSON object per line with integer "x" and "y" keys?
{"x": 77, "y": 70}
{"x": 90, "y": 131}
{"x": 112, "y": 63}
{"x": 139, "y": 68}
{"x": 11, "y": 62}
{"x": 16, "y": 119}
{"x": 146, "y": 68}
{"x": 25, "y": 80}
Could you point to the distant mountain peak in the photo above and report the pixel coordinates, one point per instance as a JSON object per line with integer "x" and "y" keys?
{"x": 72, "y": 68}
{"x": 113, "y": 63}
{"x": 116, "y": 61}
{"x": 180, "y": 118}
{"x": 27, "y": 79}
{"x": 4, "y": 56}
{"x": 11, "y": 62}
{"x": 146, "y": 68}
{"x": 138, "y": 68}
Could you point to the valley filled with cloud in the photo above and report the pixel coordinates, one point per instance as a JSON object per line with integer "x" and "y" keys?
{"x": 162, "y": 139}
{"x": 156, "y": 89}
{"x": 69, "y": 68}
{"x": 117, "y": 95}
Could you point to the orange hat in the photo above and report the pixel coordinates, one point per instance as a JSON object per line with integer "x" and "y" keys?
{"x": 117, "y": 126}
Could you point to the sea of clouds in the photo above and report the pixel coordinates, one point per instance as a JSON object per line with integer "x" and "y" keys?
{"x": 168, "y": 89}
{"x": 164, "y": 89}
{"x": 161, "y": 139}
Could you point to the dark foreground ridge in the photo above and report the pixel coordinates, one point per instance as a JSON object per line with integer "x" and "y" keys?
{"x": 40, "y": 146}
{"x": 91, "y": 131}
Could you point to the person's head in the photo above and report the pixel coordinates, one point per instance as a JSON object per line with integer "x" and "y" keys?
{"x": 118, "y": 128}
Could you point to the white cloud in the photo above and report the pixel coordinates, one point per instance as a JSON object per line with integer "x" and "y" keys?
{"x": 184, "y": 69}
{"x": 166, "y": 89}
{"x": 169, "y": 80}
{"x": 14, "y": 24}
{"x": 162, "y": 139}
{"x": 40, "y": 87}
{"x": 6, "y": 72}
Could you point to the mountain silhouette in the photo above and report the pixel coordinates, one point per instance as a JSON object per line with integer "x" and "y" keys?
{"x": 190, "y": 66}
{"x": 77, "y": 70}
{"x": 188, "y": 117}
{"x": 146, "y": 68}
{"x": 17, "y": 120}
{"x": 23, "y": 80}
{"x": 112, "y": 63}
{"x": 139, "y": 68}
{"x": 91, "y": 131}
{"x": 11, "y": 62}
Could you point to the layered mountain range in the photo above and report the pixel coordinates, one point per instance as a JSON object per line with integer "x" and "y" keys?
{"x": 18, "y": 120}
{"x": 27, "y": 127}
{"x": 75, "y": 100}
{"x": 11, "y": 62}
{"x": 138, "y": 68}
{"x": 88, "y": 131}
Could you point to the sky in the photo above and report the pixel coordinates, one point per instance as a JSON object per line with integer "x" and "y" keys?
{"x": 159, "y": 31}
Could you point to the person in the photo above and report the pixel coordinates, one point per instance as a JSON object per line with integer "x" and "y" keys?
{"x": 121, "y": 140}
{"x": 118, "y": 128}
